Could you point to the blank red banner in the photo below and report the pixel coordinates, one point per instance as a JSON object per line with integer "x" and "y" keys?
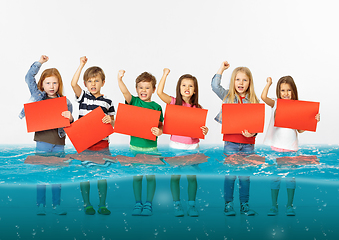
{"x": 136, "y": 121}
{"x": 184, "y": 121}
{"x": 239, "y": 117}
{"x": 88, "y": 130}
{"x": 46, "y": 114}
{"x": 296, "y": 114}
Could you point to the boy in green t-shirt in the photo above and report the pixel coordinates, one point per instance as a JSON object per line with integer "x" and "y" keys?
{"x": 145, "y": 87}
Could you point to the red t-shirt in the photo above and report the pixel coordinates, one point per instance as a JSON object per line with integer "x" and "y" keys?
{"x": 239, "y": 138}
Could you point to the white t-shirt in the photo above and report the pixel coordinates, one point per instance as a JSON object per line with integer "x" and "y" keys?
{"x": 284, "y": 138}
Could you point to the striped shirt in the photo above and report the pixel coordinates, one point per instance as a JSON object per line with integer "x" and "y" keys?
{"x": 87, "y": 103}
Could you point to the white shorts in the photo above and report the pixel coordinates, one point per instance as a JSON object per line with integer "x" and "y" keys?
{"x": 183, "y": 146}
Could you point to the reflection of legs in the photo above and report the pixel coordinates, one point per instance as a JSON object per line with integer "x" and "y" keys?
{"x": 102, "y": 190}
{"x": 85, "y": 188}
{"x": 41, "y": 195}
{"x": 192, "y": 187}
{"x": 275, "y": 186}
{"x": 137, "y": 187}
{"x": 290, "y": 197}
{"x": 192, "y": 193}
{"x": 229, "y": 187}
{"x": 290, "y": 186}
{"x": 175, "y": 190}
{"x": 56, "y": 193}
{"x": 151, "y": 184}
{"x": 244, "y": 188}
{"x": 175, "y": 187}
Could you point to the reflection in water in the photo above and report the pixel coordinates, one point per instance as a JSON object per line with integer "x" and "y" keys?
{"x": 316, "y": 203}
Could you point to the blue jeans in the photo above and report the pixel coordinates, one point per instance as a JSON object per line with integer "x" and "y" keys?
{"x": 43, "y": 148}
{"x": 232, "y": 147}
{"x": 244, "y": 181}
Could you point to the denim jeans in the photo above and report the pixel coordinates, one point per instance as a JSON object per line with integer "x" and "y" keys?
{"x": 244, "y": 188}
{"x": 232, "y": 147}
{"x": 41, "y": 194}
{"x": 43, "y": 148}
{"x": 244, "y": 181}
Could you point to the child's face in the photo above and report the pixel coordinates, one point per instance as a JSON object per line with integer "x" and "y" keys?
{"x": 51, "y": 86}
{"x": 285, "y": 91}
{"x": 145, "y": 91}
{"x": 187, "y": 88}
{"x": 94, "y": 85}
{"x": 241, "y": 83}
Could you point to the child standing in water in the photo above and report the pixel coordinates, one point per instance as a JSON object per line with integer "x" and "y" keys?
{"x": 186, "y": 95}
{"x": 94, "y": 80}
{"x": 48, "y": 142}
{"x": 241, "y": 90}
{"x": 145, "y": 87}
{"x": 282, "y": 139}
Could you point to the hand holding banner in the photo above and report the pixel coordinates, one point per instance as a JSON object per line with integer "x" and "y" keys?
{"x": 296, "y": 114}
{"x": 238, "y": 117}
{"x": 184, "y": 121}
{"x": 46, "y": 114}
{"x": 88, "y": 130}
{"x": 136, "y": 121}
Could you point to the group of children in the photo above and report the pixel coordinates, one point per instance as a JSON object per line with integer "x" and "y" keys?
{"x": 241, "y": 90}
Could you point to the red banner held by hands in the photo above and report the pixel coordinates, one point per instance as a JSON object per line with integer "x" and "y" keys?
{"x": 296, "y": 114}
{"x": 239, "y": 117}
{"x": 136, "y": 121}
{"x": 88, "y": 130}
{"x": 46, "y": 114}
{"x": 184, "y": 121}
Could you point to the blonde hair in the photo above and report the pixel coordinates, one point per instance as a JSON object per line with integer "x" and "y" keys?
{"x": 49, "y": 73}
{"x": 232, "y": 93}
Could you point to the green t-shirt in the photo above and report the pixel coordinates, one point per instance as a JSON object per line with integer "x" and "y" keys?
{"x": 141, "y": 142}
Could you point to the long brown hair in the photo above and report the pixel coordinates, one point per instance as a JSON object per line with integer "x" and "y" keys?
{"x": 49, "y": 73}
{"x": 195, "y": 97}
{"x": 250, "y": 90}
{"x": 288, "y": 80}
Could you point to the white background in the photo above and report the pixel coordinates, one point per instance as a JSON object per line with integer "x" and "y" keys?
{"x": 272, "y": 38}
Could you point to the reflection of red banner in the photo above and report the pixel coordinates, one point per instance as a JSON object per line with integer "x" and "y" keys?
{"x": 88, "y": 130}
{"x": 296, "y": 114}
{"x": 187, "y": 159}
{"x": 95, "y": 157}
{"x": 49, "y": 161}
{"x": 184, "y": 121}
{"x": 46, "y": 114}
{"x": 298, "y": 160}
{"x": 140, "y": 159}
{"x": 241, "y": 159}
{"x": 136, "y": 121}
{"x": 239, "y": 117}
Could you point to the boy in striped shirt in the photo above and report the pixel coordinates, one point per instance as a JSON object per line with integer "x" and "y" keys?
{"x": 94, "y": 80}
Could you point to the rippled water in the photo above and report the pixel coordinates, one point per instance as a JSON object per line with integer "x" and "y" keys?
{"x": 13, "y": 168}
{"x": 316, "y": 198}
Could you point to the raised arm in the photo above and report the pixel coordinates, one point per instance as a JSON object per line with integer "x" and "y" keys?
{"x": 264, "y": 93}
{"x": 123, "y": 88}
{"x": 43, "y": 59}
{"x": 160, "y": 91}
{"x": 76, "y": 88}
{"x": 30, "y": 76}
{"x": 216, "y": 81}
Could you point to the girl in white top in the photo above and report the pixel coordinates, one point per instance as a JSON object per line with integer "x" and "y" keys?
{"x": 282, "y": 139}
{"x": 186, "y": 95}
